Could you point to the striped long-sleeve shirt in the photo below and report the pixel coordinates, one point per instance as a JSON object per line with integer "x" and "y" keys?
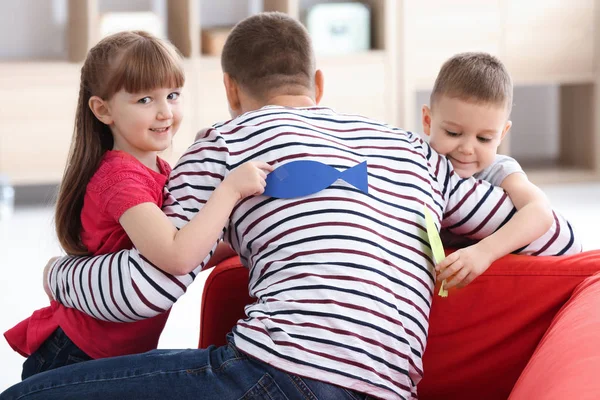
{"x": 559, "y": 239}
{"x": 343, "y": 279}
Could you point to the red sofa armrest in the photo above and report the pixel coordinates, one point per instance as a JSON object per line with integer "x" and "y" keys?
{"x": 565, "y": 365}
{"x": 481, "y": 337}
{"x": 223, "y": 252}
{"x": 223, "y": 300}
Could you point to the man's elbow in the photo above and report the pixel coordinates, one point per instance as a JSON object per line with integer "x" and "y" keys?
{"x": 174, "y": 264}
{"x": 546, "y": 216}
{"x": 180, "y": 265}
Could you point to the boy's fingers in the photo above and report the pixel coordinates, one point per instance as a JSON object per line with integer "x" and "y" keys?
{"x": 460, "y": 276}
{"x": 450, "y": 270}
{"x": 470, "y": 278}
{"x": 447, "y": 261}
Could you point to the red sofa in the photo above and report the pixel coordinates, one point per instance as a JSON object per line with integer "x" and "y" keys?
{"x": 528, "y": 328}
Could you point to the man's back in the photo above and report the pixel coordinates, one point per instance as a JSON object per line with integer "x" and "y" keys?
{"x": 343, "y": 278}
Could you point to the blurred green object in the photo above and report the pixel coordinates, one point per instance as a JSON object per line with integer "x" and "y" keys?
{"x": 436, "y": 244}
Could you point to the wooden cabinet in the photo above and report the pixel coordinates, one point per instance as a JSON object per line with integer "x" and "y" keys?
{"x": 438, "y": 29}
{"x": 356, "y": 84}
{"x": 38, "y": 98}
{"x": 551, "y": 41}
{"x": 541, "y": 42}
{"x": 37, "y": 110}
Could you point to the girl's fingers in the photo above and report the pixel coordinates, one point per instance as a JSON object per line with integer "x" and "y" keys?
{"x": 264, "y": 166}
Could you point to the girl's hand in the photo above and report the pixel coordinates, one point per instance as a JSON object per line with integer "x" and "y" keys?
{"x": 463, "y": 266}
{"x": 248, "y": 179}
{"x": 45, "y": 278}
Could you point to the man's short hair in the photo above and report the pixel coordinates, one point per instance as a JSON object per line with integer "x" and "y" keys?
{"x": 267, "y": 52}
{"x": 476, "y": 77}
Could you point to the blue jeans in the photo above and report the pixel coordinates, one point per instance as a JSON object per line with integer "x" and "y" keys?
{"x": 57, "y": 351}
{"x": 219, "y": 373}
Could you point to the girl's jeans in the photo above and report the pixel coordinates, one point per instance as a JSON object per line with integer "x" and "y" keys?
{"x": 57, "y": 351}
{"x": 221, "y": 373}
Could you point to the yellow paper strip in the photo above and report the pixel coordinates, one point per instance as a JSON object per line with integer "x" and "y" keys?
{"x": 436, "y": 245}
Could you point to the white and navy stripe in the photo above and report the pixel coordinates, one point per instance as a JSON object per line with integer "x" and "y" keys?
{"x": 343, "y": 279}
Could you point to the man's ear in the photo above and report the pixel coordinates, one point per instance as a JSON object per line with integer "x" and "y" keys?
{"x": 100, "y": 109}
{"x": 319, "y": 85}
{"x": 233, "y": 95}
{"x": 426, "y": 119}
{"x": 506, "y": 129}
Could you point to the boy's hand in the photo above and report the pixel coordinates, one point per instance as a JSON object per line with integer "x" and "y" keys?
{"x": 464, "y": 265}
{"x": 248, "y": 179}
{"x": 45, "y": 278}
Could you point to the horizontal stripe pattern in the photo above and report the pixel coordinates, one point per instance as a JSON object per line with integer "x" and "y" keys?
{"x": 343, "y": 279}
{"x": 558, "y": 240}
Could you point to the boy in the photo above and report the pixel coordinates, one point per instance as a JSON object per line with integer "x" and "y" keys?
{"x": 343, "y": 278}
{"x": 470, "y": 106}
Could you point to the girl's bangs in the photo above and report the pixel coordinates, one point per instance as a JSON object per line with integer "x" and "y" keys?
{"x": 147, "y": 65}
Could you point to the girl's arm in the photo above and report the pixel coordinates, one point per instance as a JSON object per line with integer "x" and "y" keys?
{"x": 124, "y": 286}
{"x": 180, "y": 252}
{"x": 532, "y": 219}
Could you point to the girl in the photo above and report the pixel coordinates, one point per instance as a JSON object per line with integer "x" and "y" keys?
{"x": 110, "y": 197}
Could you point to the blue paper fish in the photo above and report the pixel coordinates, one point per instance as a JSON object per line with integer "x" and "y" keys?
{"x": 301, "y": 178}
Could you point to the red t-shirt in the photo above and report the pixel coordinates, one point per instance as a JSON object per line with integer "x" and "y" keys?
{"x": 120, "y": 183}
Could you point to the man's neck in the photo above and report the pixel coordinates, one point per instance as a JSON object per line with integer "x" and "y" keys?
{"x": 288, "y": 100}
{"x": 284, "y": 100}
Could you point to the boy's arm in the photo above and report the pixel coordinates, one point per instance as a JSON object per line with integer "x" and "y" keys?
{"x": 560, "y": 239}
{"x": 473, "y": 208}
{"x": 125, "y": 286}
{"x": 531, "y": 221}
{"x": 535, "y": 229}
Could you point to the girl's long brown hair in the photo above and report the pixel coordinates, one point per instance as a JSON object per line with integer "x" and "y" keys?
{"x": 133, "y": 61}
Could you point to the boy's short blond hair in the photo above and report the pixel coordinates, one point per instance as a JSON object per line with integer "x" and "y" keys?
{"x": 267, "y": 52}
{"x": 476, "y": 77}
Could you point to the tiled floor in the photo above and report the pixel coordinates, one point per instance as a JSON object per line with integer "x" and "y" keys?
{"x": 27, "y": 241}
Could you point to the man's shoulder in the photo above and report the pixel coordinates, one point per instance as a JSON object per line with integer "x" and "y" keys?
{"x": 255, "y": 126}
{"x": 316, "y": 116}
{"x": 204, "y": 133}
